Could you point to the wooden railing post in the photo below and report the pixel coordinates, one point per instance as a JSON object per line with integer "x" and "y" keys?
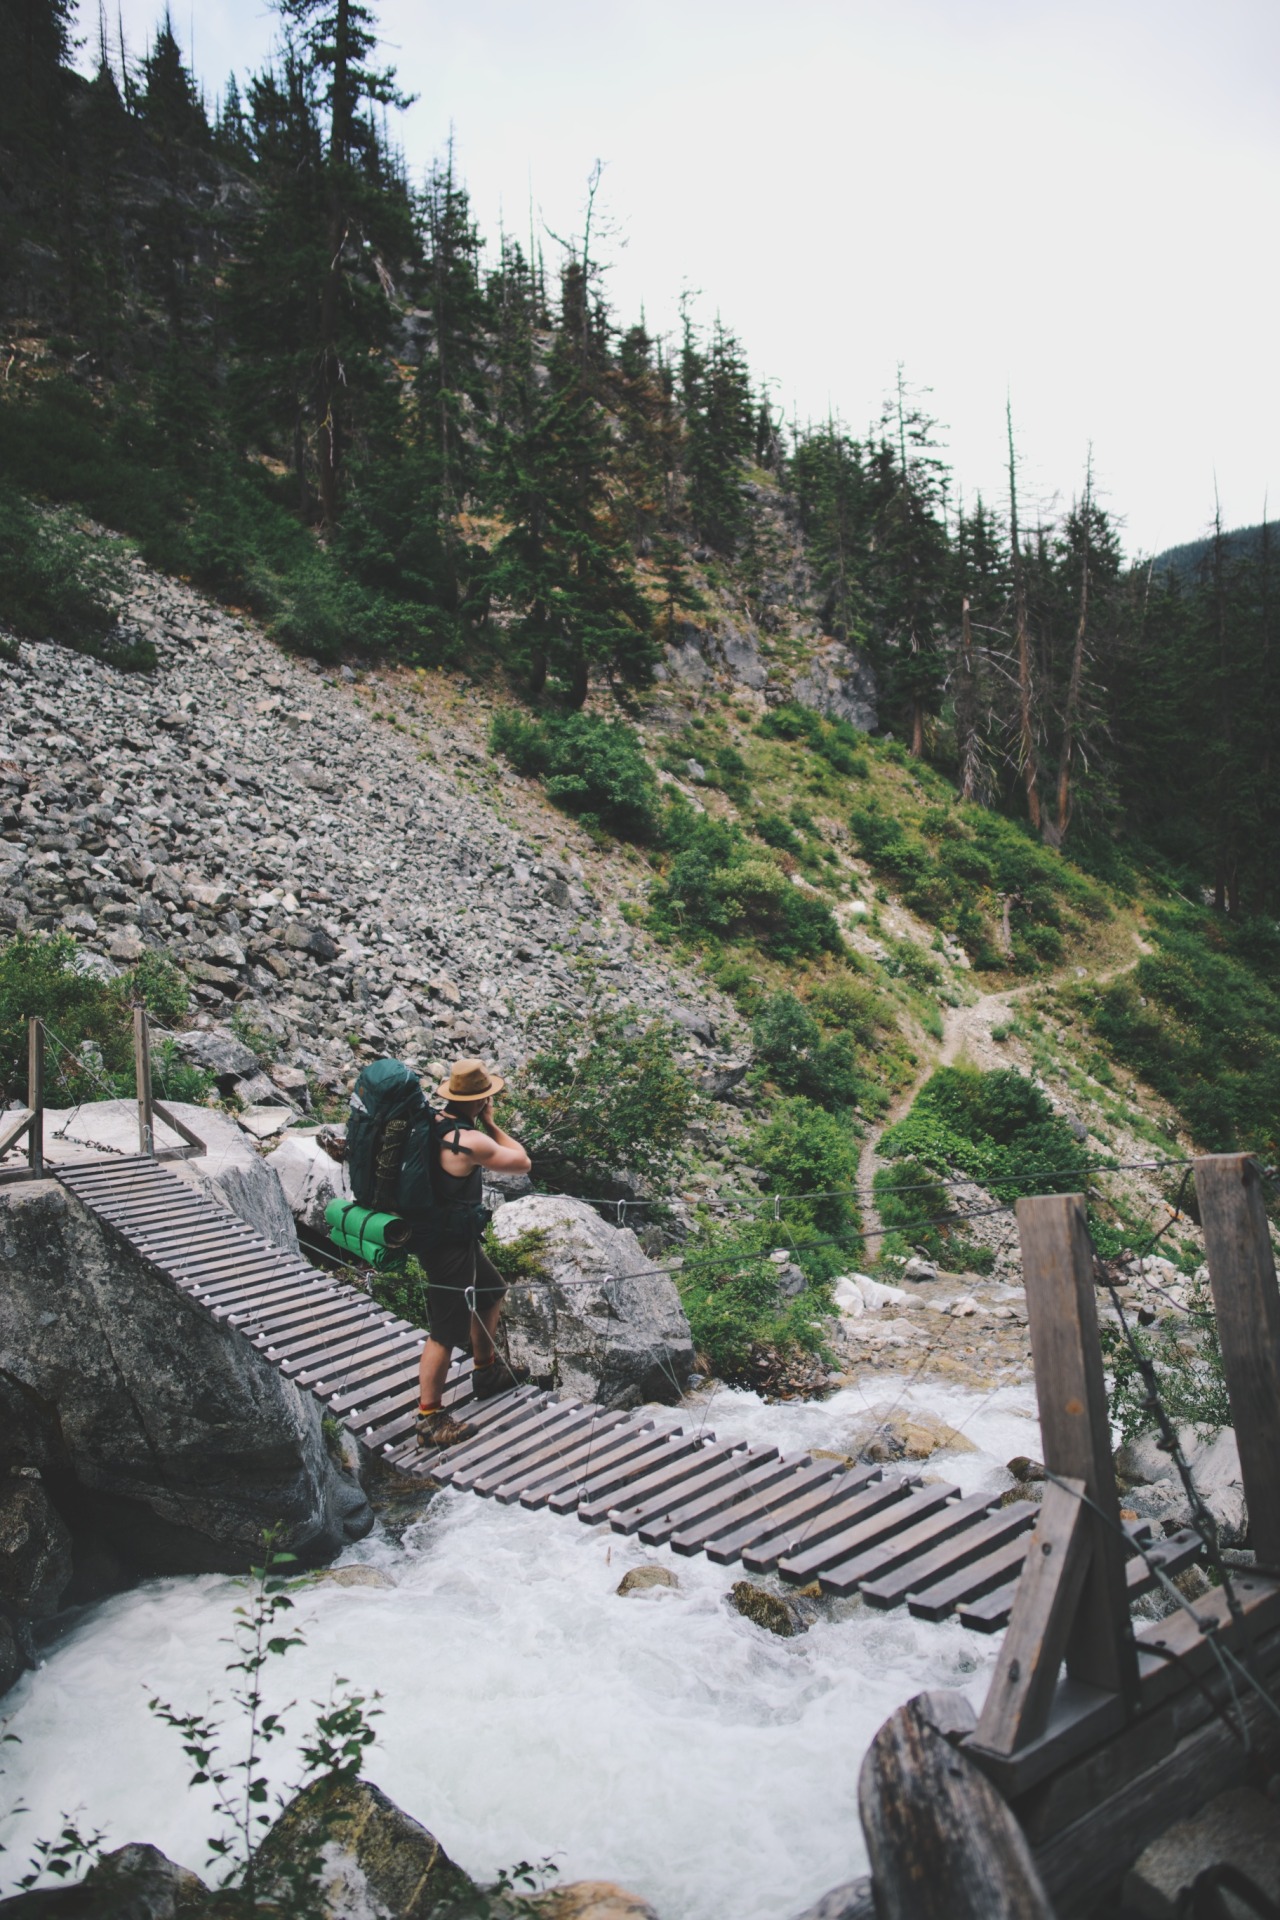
{"x": 35, "y": 1093}
{"x": 1075, "y": 1427}
{"x": 142, "y": 1071}
{"x": 1246, "y": 1299}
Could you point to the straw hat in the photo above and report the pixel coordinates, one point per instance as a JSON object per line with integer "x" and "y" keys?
{"x": 470, "y": 1080}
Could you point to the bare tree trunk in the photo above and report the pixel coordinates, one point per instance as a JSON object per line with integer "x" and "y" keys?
{"x": 1027, "y": 759}
{"x": 1077, "y": 675}
{"x": 917, "y": 727}
{"x": 967, "y": 709}
{"x": 1226, "y": 885}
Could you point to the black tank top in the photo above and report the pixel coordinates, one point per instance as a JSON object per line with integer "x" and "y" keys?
{"x": 456, "y": 1189}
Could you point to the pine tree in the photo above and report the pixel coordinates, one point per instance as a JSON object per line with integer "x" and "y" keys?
{"x": 720, "y": 424}
{"x": 168, "y": 103}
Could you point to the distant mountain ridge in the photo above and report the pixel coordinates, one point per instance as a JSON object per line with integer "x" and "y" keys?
{"x": 1241, "y": 543}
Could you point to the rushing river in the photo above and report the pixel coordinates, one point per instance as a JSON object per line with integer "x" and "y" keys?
{"x": 659, "y": 1740}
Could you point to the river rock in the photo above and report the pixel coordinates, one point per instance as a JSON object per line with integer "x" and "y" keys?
{"x": 309, "y": 1177}
{"x": 1154, "y": 1489}
{"x": 220, "y": 1053}
{"x": 906, "y": 1433}
{"x": 374, "y": 1860}
{"x": 768, "y": 1610}
{"x": 588, "y": 1900}
{"x": 602, "y": 1323}
{"x": 1237, "y": 1829}
{"x": 641, "y": 1579}
{"x": 853, "y": 1900}
{"x": 35, "y": 1546}
{"x": 136, "y": 1882}
{"x": 167, "y": 1441}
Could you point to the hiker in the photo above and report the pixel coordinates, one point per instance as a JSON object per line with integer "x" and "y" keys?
{"x": 455, "y": 1267}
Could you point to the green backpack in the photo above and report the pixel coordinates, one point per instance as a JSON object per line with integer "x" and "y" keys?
{"x": 393, "y": 1148}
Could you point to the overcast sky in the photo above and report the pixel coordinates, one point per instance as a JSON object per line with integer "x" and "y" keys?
{"x": 1072, "y": 203}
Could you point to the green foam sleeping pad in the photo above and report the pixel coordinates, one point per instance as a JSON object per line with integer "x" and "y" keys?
{"x": 378, "y": 1238}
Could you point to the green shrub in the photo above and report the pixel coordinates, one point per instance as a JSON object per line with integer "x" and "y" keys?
{"x": 842, "y": 1000}
{"x": 720, "y": 883}
{"x": 1199, "y": 1019}
{"x": 601, "y": 1097}
{"x": 591, "y": 767}
{"x": 996, "y": 1127}
{"x": 89, "y": 1021}
{"x": 1188, "y": 1363}
{"x": 835, "y": 741}
{"x": 777, "y": 832}
{"x": 729, "y": 1288}
{"x": 812, "y": 1157}
{"x": 789, "y": 1044}
{"x": 59, "y": 584}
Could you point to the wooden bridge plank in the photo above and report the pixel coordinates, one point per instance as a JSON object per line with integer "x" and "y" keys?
{"x": 990, "y": 1530}
{"x": 483, "y": 1416}
{"x": 761, "y": 1508}
{"x": 849, "y": 1541}
{"x": 524, "y": 1424}
{"x": 305, "y": 1345}
{"x": 830, "y": 1482}
{"x": 561, "y": 1424}
{"x": 699, "y": 1475}
{"x": 849, "y": 1508}
{"x": 884, "y": 1557}
{"x": 401, "y": 1376}
{"x": 755, "y": 1475}
{"x": 506, "y": 1484}
{"x": 369, "y": 1336}
{"x": 289, "y": 1310}
{"x": 694, "y": 1524}
{"x": 576, "y": 1455}
{"x": 345, "y": 1370}
{"x": 611, "y": 1470}
{"x": 999, "y": 1569}
{"x": 577, "y": 1475}
{"x": 637, "y": 1502}
{"x": 605, "y": 1489}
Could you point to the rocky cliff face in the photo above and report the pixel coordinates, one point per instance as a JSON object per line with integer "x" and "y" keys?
{"x": 334, "y": 865}
{"x": 167, "y": 1443}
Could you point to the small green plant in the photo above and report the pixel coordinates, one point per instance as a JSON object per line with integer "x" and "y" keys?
{"x": 790, "y": 1047}
{"x": 811, "y": 1157}
{"x": 89, "y": 1023}
{"x": 591, "y": 767}
{"x": 1188, "y": 1364}
{"x": 335, "y": 1747}
{"x": 729, "y": 1287}
{"x": 600, "y": 1097}
{"x": 520, "y": 1260}
{"x": 721, "y": 884}
{"x": 59, "y": 584}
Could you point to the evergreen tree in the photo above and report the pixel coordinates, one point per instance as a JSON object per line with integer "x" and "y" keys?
{"x": 720, "y": 425}
{"x": 168, "y": 102}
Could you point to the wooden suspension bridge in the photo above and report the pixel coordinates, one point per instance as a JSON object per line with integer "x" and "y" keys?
{"x": 1094, "y": 1734}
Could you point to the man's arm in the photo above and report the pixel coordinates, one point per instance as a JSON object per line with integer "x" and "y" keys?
{"x": 493, "y": 1148}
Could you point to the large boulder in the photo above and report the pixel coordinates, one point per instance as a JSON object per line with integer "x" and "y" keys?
{"x": 167, "y": 1441}
{"x": 134, "y": 1883}
{"x": 365, "y": 1858}
{"x": 1154, "y": 1488}
{"x": 598, "y": 1320}
{"x": 309, "y": 1177}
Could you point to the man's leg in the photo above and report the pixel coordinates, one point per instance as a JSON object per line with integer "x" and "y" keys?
{"x": 433, "y": 1370}
{"x": 484, "y": 1327}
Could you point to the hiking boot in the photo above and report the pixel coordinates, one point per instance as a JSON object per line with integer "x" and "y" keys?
{"x": 497, "y": 1377}
{"x": 439, "y": 1428}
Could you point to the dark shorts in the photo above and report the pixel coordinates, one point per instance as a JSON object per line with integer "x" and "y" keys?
{"x": 450, "y": 1271}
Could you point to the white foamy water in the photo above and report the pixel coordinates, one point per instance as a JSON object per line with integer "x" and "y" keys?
{"x": 660, "y": 1740}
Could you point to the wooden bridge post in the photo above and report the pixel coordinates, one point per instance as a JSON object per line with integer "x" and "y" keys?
{"x": 1075, "y": 1426}
{"x": 35, "y": 1094}
{"x": 1246, "y": 1299}
{"x": 142, "y": 1071}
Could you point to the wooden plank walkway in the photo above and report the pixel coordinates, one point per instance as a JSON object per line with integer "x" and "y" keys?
{"x": 848, "y": 1527}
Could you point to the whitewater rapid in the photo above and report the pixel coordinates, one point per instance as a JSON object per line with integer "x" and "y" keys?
{"x": 659, "y": 1740}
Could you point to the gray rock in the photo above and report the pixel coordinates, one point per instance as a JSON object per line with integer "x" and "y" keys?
{"x": 377, "y": 1861}
{"x": 309, "y": 1178}
{"x": 854, "y": 1900}
{"x": 603, "y": 1323}
{"x": 918, "y": 1269}
{"x": 134, "y": 1883}
{"x": 35, "y": 1546}
{"x": 1239, "y": 1829}
{"x": 1156, "y": 1491}
{"x": 721, "y": 1083}
{"x": 839, "y": 683}
{"x": 173, "y": 1443}
{"x": 641, "y": 1579}
{"x": 219, "y": 1053}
